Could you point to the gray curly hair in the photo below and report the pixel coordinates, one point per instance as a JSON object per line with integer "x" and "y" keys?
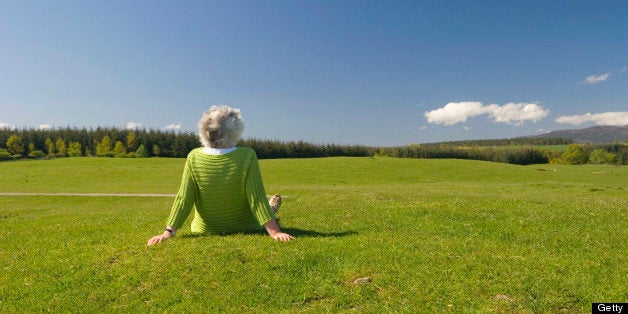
{"x": 220, "y": 127}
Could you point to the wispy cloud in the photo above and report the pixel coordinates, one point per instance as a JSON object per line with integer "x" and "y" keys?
{"x": 43, "y": 127}
{"x": 595, "y": 79}
{"x": 599, "y": 78}
{"x": 173, "y": 127}
{"x": 133, "y": 125}
{"x": 511, "y": 113}
{"x": 605, "y": 118}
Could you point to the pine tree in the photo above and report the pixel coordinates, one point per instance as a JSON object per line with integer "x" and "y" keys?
{"x": 33, "y": 152}
{"x": 119, "y": 150}
{"x": 62, "y": 149}
{"x": 74, "y": 149}
{"x": 103, "y": 148}
{"x": 15, "y": 145}
{"x": 50, "y": 146}
{"x": 131, "y": 141}
{"x": 142, "y": 152}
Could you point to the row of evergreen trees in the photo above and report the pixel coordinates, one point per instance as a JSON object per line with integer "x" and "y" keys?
{"x": 113, "y": 142}
{"x": 268, "y": 149}
{"x": 517, "y": 141}
{"x": 575, "y": 154}
{"x": 102, "y": 142}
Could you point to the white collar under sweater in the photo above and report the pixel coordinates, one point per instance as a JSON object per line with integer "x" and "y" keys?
{"x": 218, "y": 151}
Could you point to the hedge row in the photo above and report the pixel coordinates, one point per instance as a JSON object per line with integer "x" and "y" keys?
{"x": 113, "y": 142}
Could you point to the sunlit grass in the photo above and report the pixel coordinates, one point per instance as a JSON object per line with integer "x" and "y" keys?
{"x": 430, "y": 235}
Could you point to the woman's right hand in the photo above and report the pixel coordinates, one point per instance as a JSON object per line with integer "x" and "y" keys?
{"x": 159, "y": 238}
{"x": 275, "y": 232}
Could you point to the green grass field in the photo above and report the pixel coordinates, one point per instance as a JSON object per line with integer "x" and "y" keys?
{"x": 431, "y": 235}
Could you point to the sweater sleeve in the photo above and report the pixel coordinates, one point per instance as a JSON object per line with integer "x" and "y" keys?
{"x": 185, "y": 198}
{"x": 256, "y": 194}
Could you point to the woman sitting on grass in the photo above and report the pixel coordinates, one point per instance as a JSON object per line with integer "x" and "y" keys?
{"x": 224, "y": 183}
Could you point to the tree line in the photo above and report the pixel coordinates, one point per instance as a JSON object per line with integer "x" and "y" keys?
{"x": 101, "y": 142}
{"x": 142, "y": 143}
{"x": 517, "y": 141}
{"x": 574, "y": 154}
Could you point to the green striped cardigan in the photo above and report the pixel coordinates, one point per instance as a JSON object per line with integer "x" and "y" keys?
{"x": 226, "y": 191}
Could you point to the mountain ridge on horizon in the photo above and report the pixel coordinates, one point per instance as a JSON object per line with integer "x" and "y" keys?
{"x": 599, "y": 134}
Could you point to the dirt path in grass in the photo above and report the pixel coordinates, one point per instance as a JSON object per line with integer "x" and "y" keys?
{"x": 87, "y": 194}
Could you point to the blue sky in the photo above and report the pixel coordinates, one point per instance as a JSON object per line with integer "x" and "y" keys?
{"x": 348, "y": 72}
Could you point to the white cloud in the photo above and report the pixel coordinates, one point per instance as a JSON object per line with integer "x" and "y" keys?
{"x": 173, "y": 127}
{"x": 517, "y": 113}
{"x": 509, "y": 113}
{"x": 6, "y": 126}
{"x": 43, "y": 127}
{"x": 132, "y": 125}
{"x": 594, "y": 79}
{"x": 605, "y": 118}
{"x": 455, "y": 112}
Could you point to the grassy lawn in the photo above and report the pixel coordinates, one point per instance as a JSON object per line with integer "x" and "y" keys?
{"x": 430, "y": 235}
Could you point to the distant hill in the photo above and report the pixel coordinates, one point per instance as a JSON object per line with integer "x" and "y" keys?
{"x": 595, "y": 135}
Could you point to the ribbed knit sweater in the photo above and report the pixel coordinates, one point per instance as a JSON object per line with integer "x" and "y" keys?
{"x": 226, "y": 190}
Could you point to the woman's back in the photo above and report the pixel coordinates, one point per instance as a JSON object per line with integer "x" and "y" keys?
{"x": 223, "y": 183}
{"x": 226, "y": 190}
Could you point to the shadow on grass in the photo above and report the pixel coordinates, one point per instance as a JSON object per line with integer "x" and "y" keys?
{"x": 301, "y": 233}
{"x": 296, "y": 232}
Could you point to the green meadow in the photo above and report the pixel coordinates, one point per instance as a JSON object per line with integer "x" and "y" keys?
{"x": 372, "y": 235}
